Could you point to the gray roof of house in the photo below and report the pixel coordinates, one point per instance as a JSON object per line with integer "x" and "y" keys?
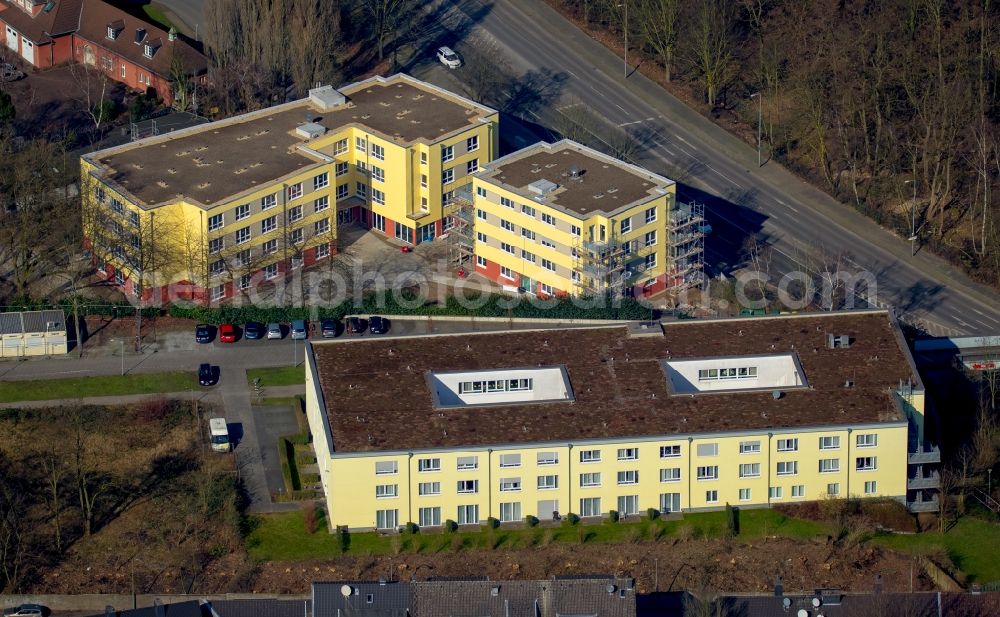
{"x": 850, "y": 605}
{"x": 190, "y": 608}
{"x": 263, "y": 607}
{"x": 577, "y": 597}
{"x": 391, "y": 599}
{"x": 31, "y": 321}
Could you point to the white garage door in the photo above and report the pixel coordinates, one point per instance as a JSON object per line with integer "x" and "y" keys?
{"x": 12, "y": 38}
{"x": 28, "y": 50}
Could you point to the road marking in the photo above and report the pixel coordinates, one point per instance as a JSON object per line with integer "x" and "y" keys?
{"x": 631, "y": 123}
{"x": 621, "y": 108}
{"x": 724, "y": 175}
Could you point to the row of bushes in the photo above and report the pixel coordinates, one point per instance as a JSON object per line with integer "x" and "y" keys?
{"x": 85, "y": 306}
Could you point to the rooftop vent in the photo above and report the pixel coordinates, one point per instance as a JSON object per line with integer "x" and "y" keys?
{"x": 172, "y": 34}
{"x": 838, "y": 341}
{"x": 776, "y": 394}
{"x": 576, "y": 173}
{"x": 310, "y": 130}
{"x": 542, "y": 187}
{"x": 326, "y": 98}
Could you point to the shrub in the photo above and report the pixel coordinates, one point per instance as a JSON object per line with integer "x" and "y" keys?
{"x": 309, "y": 517}
{"x": 450, "y": 526}
{"x": 652, "y": 514}
{"x": 613, "y": 516}
{"x": 686, "y": 533}
{"x": 531, "y": 520}
{"x": 889, "y": 514}
{"x": 547, "y": 538}
{"x": 343, "y": 538}
{"x": 732, "y": 521}
{"x": 106, "y": 110}
{"x": 571, "y": 519}
{"x": 412, "y": 528}
{"x": 492, "y": 523}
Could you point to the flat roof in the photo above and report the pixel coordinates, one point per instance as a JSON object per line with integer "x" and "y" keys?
{"x": 601, "y": 183}
{"x": 214, "y": 161}
{"x": 378, "y": 399}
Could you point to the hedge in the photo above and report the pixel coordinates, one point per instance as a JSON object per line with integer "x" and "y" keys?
{"x": 86, "y": 306}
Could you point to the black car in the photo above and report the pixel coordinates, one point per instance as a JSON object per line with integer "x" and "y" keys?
{"x": 253, "y": 330}
{"x": 356, "y": 325}
{"x": 329, "y": 328}
{"x": 208, "y": 375}
{"x": 203, "y": 333}
{"x": 378, "y": 325}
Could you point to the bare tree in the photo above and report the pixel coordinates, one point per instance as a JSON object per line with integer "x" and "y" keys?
{"x": 712, "y": 46}
{"x": 13, "y": 530}
{"x": 385, "y": 19}
{"x": 660, "y": 24}
{"x": 312, "y": 49}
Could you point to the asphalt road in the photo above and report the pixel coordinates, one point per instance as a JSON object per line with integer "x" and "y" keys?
{"x": 721, "y": 171}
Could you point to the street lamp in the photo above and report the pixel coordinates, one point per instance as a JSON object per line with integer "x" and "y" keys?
{"x": 122, "y": 342}
{"x": 760, "y": 109}
{"x": 624, "y": 5}
{"x": 295, "y": 353}
{"x": 913, "y": 214}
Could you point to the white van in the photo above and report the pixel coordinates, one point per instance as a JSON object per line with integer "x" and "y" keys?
{"x": 220, "y": 434}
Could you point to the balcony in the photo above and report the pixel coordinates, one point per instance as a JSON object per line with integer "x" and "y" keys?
{"x": 921, "y": 457}
{"x": 604, "y": 248}
{"x": 419, "y": 214}
{"x": 921, "y": 505}
{"x": 924, "y": 482}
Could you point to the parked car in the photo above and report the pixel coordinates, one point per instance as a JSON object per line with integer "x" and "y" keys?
{"x": 253, "y": 330}
{"x": 208, "y": 375}
{"x": 203, "y": 333}
{"x": 356, "y": 325}
{"x": 273, "y": 330}
{"x": 448, "y": 57}
{"x": 329, "y": 328}
{"x": 26, "y": 610}
{"x": 227, "y": 333}
{"x": 298, "y": 330}
{"x": 9, "y": 72}
{"x": 378, "y": 325}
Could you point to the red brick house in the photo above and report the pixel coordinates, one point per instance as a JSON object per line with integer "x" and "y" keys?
{"x": 125, "y": 48}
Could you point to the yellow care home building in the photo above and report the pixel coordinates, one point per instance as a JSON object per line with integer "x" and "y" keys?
{"x": 679, "y": 417}
{"x": 203, "y": 212}
{"x": 564, "y": 219}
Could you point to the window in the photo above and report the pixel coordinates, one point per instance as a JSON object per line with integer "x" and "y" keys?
{"x": 294, "y": 213}
{"x": 650, "y": 215}
{"x": 242, "y": 235}
{"x": 548, "y": 219}
{"x": 670, "y": 474}
{"x": 788, "y": 445}
{"x": 378, "y": 197}
{"x": 548, "y": 482}
{"x": 480, "y": 214}
{"x": 322, "y": 250}
{"x": 360, "y": 143}
{"x": 245, "y": 281}
{"x": 574, "y": 229}
{"x": 386, "y": 467}
{"x": 526, "y": 209}
{"x": 504, "y": 201}
{"x": 342, "y": 191}
{"x": 510, "y": 512}
{"x": 749, "y": 470}
{"x": 378, "y": 174}
{"x": 270, "y": 272}
{"x": 385, "y": 491}
{"x": 507, "y": 225}
{"x": 472, "y": 166}
{"x": 527, "y": 256}
{"x": 546, "y": 289}
{"x": 590, "y": 506}
{"x": 867, "y": 440}
{"x": 216, "y": 267}
{"x": 548, "y": 265}
{"x": 218, "y": 292}
{"x": 670, "y": 502}
{"x": 590, "y": 479}
{"x": 506, "y": 273}
{"x": 510, "y": 460}
{"x": 774, "y": 492}
{"x": 650, "y": 239}
{"x": 468, "y": 486}
{"x": 628, "y": 477}
{"x": 271, "y": 246}
{"x": 268, "y": 201}
{"x": 468, "y": 515}
{"x": 788, "y": 468}
{"x": 215, "y": 245}
{"x": 829, "y": 443}
{"x": 321, "y": 226}
{"x": 341, "y": 169}
{"x": 429, "y": 517}
{"x": 295, "y": 191}
{"x": 448, "y": 176}
{"x": 547, "y": 458}
{"x": 590, "y": 456}
{"x": 324, "y": 202}
{"x": 472, "y": 143}
{"x": 215, "y": 222}
{"x": 708, "y": 449}
{"x": 386, "y": 519}
{"x": 423, "y": 158}
{"x": 147, "y": 50}
{"x": 378, "y": 152}
{"x": 119, "y": 277}
{"x": 466, "y": 463}
{"x": 527, "y": 233}
{"x": 361, "y": 190}
{"x": 447, "y": 153}
{"x": 670, "y": 451}
{"x": 626, "y": 226}
{"x": 744, "y": 494}
{"x": 243, "y": 257}
{"x": 628, "y": 454}
{"x": 510, "y": 485}
{"x": 749, "y": 447}
{"x": 480, "y": 261}
{"x": 866, "y": 463}
{"x": 650, "y": 261}
{"x": 340, "y": 147}
{"x": 798, "y": 490}
{"x": 429, "y": 488}
{"x": 871, "y": 487}
{"x": 712, "y": 496}
{"x": 708, "y": 472}
{"x": 321, "y": 181}
{"x": 829, "y": 465}
{"x": 507, "y": 248}
{"x": 429, "y": 464}
{"x": 481, "y": 237}
{"x": 117, "y": 206}
{"x": 628, "y": 505}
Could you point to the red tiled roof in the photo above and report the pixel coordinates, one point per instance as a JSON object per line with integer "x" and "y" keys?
{"x": 63, "y": 18}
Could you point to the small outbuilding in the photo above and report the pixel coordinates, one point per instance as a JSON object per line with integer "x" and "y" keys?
{"x": 33, "y": 333}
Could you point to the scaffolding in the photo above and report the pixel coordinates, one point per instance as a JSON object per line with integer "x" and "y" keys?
{"x": 600, "y": 266}
{"x": 459, "y": 223}
{"x": 686, "y": 231}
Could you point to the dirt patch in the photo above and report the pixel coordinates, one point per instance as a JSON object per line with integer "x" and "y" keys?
{"x": 669, "y": 565}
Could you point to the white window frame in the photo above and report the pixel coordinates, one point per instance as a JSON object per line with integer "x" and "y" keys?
{"x": 749, "y": 470}
{"x": 866, "y": 440}
{"x": 590, "y": 480}
{"x": 426, "y": 465}
{"x": 788, "y": 445}
{"x": 628, "y": 454}
{"x": 829, "y": 442}
{"x": 750, "y": 447}
{"x": 548, "y": 482}
{"x": 670, "y": 474}
{"x": 510, "y": 460}
{"x": 467, "y": 487}
{"x": 786, "y": 468}
{"x": 708, "y": 472}
{"x": 671, "y": 451}
{"x": 590, "y": 456}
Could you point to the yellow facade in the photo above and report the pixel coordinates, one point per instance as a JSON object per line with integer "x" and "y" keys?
{"x": 629, "y": 475}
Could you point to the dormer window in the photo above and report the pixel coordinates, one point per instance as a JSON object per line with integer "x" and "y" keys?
{"x": 147, "y": 50}
{"x": 115, "y": 28}
{"x": 140, "y": 35}
{"x": 111, "y": 33}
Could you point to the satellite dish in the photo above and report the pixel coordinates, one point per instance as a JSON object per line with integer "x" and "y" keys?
{"x": 816, "y": 602}
{"x": 346, "y": 591}
{"x": 776, "y": 394}
{"x": 786, "y": 602}
{"x": 611, "y": 588}
{"x": 803, "y": 612}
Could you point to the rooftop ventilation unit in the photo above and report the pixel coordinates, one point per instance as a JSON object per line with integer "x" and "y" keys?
{"x": 838, "y": 341}
{"x": 310, "y": 130}
{"x": 326, "y": 98}
{"x": 576, "y": 173}
{"x": 542, "y": 187}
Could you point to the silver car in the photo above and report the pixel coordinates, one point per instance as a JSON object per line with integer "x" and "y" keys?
{"x": 273, "y": 330}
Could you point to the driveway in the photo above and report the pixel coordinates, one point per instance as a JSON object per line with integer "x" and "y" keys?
{"x": 273, "y": 422}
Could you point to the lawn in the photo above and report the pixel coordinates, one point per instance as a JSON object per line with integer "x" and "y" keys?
{"x": 278, "y": 376}
{"x": 282, "y": 537}
{"x": 80, "y": 387}
{"x": 972, "y": 544}
{"x": 156, "y": 15}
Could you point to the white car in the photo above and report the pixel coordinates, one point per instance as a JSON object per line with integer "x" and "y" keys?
{"x": 449, "y": 58}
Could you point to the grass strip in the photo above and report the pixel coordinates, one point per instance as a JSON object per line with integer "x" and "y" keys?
{"x": 85, "y": 387}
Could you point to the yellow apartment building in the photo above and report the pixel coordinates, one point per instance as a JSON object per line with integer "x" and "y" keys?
{"x": 679, "y": 417}
{"x": 564, "y": 219}
{"x": 205, "y": 212}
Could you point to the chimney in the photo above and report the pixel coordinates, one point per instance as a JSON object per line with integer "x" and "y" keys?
{"x": 878, "y": 584}
{"x": 172, "y": 35}
{"x": 779, "y": 589}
